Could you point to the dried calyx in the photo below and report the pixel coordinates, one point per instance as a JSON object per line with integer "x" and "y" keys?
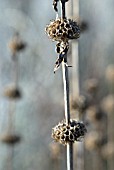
{"x": 61, "y": 49}
{"x": 65, "y": 133}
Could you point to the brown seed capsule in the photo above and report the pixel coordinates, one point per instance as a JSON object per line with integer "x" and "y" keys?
{"x": 64, "y": 133}
{"x": 12, "y": 92}
{"x": 10, "y": 139}
{"x": 63, "y": 30}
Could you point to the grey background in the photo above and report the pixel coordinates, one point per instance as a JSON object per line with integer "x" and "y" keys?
{"x": 42, "y": 104}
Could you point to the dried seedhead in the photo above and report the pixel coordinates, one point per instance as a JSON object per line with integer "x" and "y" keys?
{"x": 81, "y": 103}
{"x": 12, "y": 92}
{"x": 64, "y": 133}
{"x": 63, "y": 30}
{"x": 94, "y": 113}
{"x": 91, "y": 85}
{"x": 16, "y": 44}
{"x": 10, "y": 139}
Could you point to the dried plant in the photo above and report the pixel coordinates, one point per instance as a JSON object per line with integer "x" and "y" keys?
{"x": 62, "y": 30}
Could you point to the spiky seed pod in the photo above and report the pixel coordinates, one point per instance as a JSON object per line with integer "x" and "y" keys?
{"x": 10, "y": 139}
{"x": 93, "y": 141}
{"x": 12, "y": 93}
{"x": 108, "y": 104}
{"x": 91, "y": 85}
{"x": 16, "y": 45}
{"x": 64, "y": 133}
{"x": 94, "y": 113}
{"x": 110, "y": 73}
{"x": 81, "y": 103}
{"x": 63, "y": 30}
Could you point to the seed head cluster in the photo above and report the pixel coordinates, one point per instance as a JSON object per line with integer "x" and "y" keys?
{"x": 63, "y": 30}
{"x": 12, "y": 93}
{"x": 65, "y": 133}
{"x": 10, "y": 139}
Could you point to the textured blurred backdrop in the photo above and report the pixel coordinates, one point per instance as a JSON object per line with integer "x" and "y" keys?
{"x": 41, "y": 105}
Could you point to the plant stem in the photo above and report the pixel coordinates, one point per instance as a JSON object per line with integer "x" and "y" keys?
{"x": 66, "y": 92}
{"x": 67, "y": 114}
{"x": 66, "y": 100}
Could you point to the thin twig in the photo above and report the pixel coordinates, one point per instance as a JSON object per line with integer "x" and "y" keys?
{"x": 66, "y": 92}
{"x": 66, "y": 101}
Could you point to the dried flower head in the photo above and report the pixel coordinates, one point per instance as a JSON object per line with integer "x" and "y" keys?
{"x": 10, "y": 139}
{"x": 108, "y": 104}
{"x": 94, "y": 113}
{"x": 64, "y": 133}
{"x": 91, "y": 85}
{"x": 63, "y": 30}
{"x": 16, "y": 44}
{"x": 110, "y": 73}
{"x": 12, "y": 92}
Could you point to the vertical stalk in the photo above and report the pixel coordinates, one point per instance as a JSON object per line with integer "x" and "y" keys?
{"x": 66, "y": 92}
{"x": 15, "y": 70}
{"x": 67, "y": 114}
{"x": 66, "y": 102}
